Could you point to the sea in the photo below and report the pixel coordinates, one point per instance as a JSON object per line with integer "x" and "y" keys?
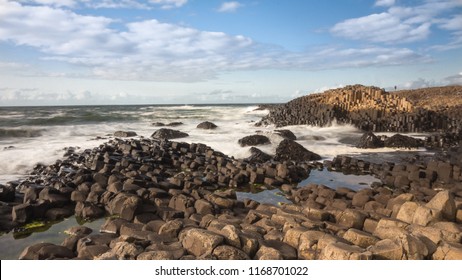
{"x": 40, "y": 135}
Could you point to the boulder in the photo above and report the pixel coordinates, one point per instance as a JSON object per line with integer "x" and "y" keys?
{"x": 407, "y": 211}
{"x": 166, "y": 133}
{"x": 402, "y": 141}
{"x": 342, "y": 251}
{"x": 387, "y": 249}
{"x": 200, "y": 241}
{"x": 448, "y": 251}
{"x": 156, "y": 255}
{"x": 124, "y": 205}
{"x": 360, "y": 238}
{"x": 125, "y": 133}
{"x": 43, "y": 251}
{"x": 444, "y": 202}
{"x": 351, "y": 218}
{"x": 286, "y": 251}
{"x": 22, "y": 213}
{"x": 254, "y": 140}
{"x": 126, "y": 251}
{"x": 207, "y": 125}
{"x": 369, "y": 141}
{"x": 286, "y": 134}
{"x": 258, "y": 156}
{"x": 7, "y": 193}
{"x": 291, "y": 150}
{"x": 225, "y": 252}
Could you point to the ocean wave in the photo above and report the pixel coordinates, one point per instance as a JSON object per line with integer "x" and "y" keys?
{"x": 20, "y": 133}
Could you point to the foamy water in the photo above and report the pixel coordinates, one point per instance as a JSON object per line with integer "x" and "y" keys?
{"x": 39, "y": 134}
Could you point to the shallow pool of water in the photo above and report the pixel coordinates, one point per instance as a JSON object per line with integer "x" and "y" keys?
{"x": 334, "y": 180}
{"x": 12, "y": 244}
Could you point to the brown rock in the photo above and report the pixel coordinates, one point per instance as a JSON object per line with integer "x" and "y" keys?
{"x": 406, "y": 211}
{"x": 199, "y": 241}
{"x": 360, "y": 238}
{"x": 387, "y": 249}
{"x": 126, "y": 251}
{"x": 225, "y": 252}
{"x": 424, "y": 215}
{"x": 342, "y": 251}
{"x": 448, "y": 251}
{"x": 351, "y": 218}
{"x": 444, "y": 202}
{"x": 156, "y": 255}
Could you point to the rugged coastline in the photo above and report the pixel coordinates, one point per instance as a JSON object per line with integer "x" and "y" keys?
{"x": 174, "y": 200}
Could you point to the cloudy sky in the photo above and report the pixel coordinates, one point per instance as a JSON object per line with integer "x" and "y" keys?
{"x": 65, "y": 52}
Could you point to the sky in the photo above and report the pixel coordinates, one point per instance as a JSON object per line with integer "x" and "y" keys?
{"x": 84, "y": 52}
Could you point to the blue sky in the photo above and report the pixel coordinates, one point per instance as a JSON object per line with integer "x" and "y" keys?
{"x": 66, "y": 52}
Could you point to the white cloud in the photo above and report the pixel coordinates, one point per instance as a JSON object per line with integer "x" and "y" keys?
{"x": 169, "y": 4}
{"x": 155, "y": 51}
{"x": 110, "y": 4}
{"x": 454, "y": 80}
{"x": 229, "y": 7}
{"x": 384, "y": 3}
{"x": 399, "y": 24}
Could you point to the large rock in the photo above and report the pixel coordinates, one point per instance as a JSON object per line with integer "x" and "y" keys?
{"x": 254, "y": 140}
{"x": 444, "y": 202}
{"x": 387, "y": 249}
{"x": 166, "y": 133}
{"x": 448, "y": 251}
{"x": 225, "y": 252}
{"x": 207, "y": 125}
{"x": 7, "y": 193}
{"x": 43, "y": 251}
{"x": 200, "y": 241}
{"x": 22, "y": 213}
{"x": 402, "y": 141}
{"x": 291, "y": 150}
{"x": 125, "y": 133}
{"x": 342, "y": 251}
{"x": 369, "y": 141}
{"x": 124, "y": 205}
{"x": 286, "y": 134}
{"x": 360, "y": 238}
{"x": 257, "y": 156}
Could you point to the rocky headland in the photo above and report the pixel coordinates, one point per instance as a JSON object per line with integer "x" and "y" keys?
{"x": 175, "y": 200}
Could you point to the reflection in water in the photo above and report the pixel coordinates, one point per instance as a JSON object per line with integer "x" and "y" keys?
{"x": 338, "y": 179}
{"x": 13, "y": 243}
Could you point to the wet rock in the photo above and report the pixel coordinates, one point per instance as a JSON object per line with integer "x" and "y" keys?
{"x": 22, "y": 213}
{"x": 207, "y": 125}
{"x": 291, "y": 150}
{"x": 125, "y": 134}
{"x": 78, "y": 230}
{"x": 55, "y": 214}
{"x": 7, "y": 193}
{"x": 258, "y": 156}
{"x": 199, "y": 241}
{"x": 402, "y": 141}
{"x": 113, "y": 225}
{"x": 369, "y": 141}
{"x": 286, "y": 134}
{"x": 225, "y": 252}
{"x": 254, "y": 140}
{"x": 165, "y": 133}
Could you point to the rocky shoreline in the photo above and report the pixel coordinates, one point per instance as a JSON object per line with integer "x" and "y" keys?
{"x": 163, "y": 199}
{"x": 174, "y": 200}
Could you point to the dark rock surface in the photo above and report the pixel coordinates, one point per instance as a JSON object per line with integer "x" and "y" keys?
{"x": 254, "y": 140}
{"x": 286, "y": 134}
{"x": 369, "y": 141}
{"x": 207, "y": 125}
{"x": 373, "y": 109}
{"x": 125, "y": 134}
{"x": 291, "y": 150}
{"x": 166, "y": 133}
{"x": 402, "y": 141}
{"x": 258, "y": 156}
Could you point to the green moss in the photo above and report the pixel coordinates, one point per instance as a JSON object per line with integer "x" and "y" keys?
{"x": 27, "y": 229}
